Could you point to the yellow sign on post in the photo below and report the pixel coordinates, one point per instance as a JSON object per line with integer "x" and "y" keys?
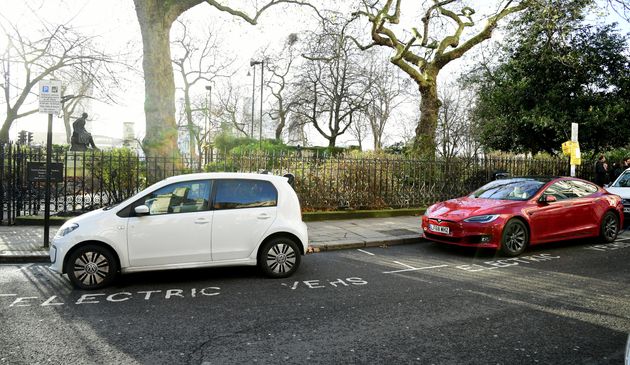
{"x": 566, "y": 148}
{"x": 572, "y": 149}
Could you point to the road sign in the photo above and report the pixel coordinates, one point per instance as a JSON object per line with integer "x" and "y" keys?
{"x": 50, "y": 96}
{"x": 37, "y": 171}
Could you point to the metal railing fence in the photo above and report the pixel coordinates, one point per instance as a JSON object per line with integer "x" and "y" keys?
{"x": 323, "y": 182}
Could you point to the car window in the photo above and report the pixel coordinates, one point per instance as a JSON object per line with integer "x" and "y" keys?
{"x": 582, "y": 189}
{"x": 241, "y": 193}
{"x": 182, "y": 197}
{"x": 623, "y": 181}
{"x": 561, "y": 190}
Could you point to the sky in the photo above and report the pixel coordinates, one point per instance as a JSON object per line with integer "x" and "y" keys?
{"x": 115, "y": 24}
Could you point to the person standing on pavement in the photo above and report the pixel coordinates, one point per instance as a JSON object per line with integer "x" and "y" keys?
{"x": 601, "y": 171}
{"x": 617, "y": 169}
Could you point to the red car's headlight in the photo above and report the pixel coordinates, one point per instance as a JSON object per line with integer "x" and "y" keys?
{"x": 482, "y": 218}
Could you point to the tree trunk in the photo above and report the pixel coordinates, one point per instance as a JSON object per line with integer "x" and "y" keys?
{"x": 66, "y": 124}
{"x": 4, "y": 131}
{"x": 332, "y": 140}
{"x": 155, "y": 20}
{"x": 424, "y": 143}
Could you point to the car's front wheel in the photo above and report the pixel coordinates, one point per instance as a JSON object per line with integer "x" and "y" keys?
{"x": 91, "y": 267}
{"x": 279, "y": 257}
{"x": 609, "y": 227}
{"x": 514, "y": 239}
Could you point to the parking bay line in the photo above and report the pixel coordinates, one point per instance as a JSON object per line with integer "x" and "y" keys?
{"x": 411, "y": 268}
{"x": 369, "y": 253}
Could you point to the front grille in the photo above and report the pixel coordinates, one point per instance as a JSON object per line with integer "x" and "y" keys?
{"x": 440, "y": 220}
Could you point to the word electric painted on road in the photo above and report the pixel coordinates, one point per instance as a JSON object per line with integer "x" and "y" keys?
{"x": 514, "y": 261}
{"x": 13, "y": 300}
{"x": 487, "y": 265}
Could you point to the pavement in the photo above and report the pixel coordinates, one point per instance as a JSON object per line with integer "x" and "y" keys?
{"x": 19, "y": 244}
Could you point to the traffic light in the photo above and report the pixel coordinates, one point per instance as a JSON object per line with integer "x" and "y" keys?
{"x": 29, "y": 138}
{"x": 22, "y": 137}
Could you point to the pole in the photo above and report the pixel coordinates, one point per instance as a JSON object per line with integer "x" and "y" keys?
{"x": 574, "y": 138}
{"x": 262, "y": 71}
{"x": 251, "y": 130}
{"x": 209, "y": 125}
{"x": 47, "y": 195}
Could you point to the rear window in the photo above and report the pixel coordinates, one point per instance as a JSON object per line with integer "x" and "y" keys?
{"x": 241, "y": 193}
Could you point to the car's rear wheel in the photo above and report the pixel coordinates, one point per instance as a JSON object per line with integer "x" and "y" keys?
{"x": 609, "y": 227}
{"x": 91, "y": 267}
{"x": 279, "y": 257}
{"x": 514, "y": 239}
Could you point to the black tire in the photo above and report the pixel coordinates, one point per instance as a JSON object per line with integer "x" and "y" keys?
{"x": 609, "y": 227}
{"x": 91, "y": 267}
{"x": 279, "y": 257}
{"x": 514, "y": 239}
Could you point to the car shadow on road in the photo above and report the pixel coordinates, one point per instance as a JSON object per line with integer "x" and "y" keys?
{"x": 188, "y": 276}
{"x": 491, "y": 253}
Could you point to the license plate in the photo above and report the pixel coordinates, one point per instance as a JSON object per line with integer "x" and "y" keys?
{"x": 626, "y": 210}
{"x": 441, "y": 229}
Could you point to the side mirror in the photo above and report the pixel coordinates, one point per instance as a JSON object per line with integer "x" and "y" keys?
{"x": 548, "y": 199}
{"x": 606, "y": 185}
{"x": 141, "y": 210}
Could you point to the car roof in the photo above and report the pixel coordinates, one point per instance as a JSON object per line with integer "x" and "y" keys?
{"x": 223, "y": 175}
{"x": 543, "y": 179}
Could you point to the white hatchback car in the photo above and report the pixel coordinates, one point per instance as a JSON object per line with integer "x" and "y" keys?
{"x": 621, "y": 187}
{"x": 186, "y": 221}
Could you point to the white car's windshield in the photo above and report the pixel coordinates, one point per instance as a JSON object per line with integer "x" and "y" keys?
{"x": 623, "y": 181}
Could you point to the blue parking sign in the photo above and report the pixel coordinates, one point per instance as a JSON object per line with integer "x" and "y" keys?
{"x": 45, "y": 89}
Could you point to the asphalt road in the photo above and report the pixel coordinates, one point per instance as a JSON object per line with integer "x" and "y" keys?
{"x": 422, "y": 303}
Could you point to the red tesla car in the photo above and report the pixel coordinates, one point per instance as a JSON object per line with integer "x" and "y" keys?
{"x": 511, "y": 214}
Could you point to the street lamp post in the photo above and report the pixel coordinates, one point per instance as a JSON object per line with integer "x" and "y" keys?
{"x": 253, "y": 64}
{"x": 251, "y": 127}
{"x": 208, "y": 121}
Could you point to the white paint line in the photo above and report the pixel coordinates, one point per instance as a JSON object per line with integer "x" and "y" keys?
{"x": 414, "y": 269}
{"x": 7, "y": 295}
{"x": 622, "y": 239}
{"x": 369, "y": 253}
{"x": 405, "y": 265}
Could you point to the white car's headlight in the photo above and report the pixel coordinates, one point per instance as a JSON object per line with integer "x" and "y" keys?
{"x": 65, "y": 229}
{"x": 482, "y": 218}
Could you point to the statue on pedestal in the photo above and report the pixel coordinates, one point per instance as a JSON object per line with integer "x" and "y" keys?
{"x": 81, "y": 138}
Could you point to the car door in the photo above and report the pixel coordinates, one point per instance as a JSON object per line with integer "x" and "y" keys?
{"x": 549, "y": 221}
{"x": 243, "y": 211}
{"x": 177, "y": 229}
{"x": 585, "y": 218}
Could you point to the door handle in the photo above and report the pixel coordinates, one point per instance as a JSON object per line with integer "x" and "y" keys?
{"x": 264, "y": 216}
{"x": 202, "y": 221}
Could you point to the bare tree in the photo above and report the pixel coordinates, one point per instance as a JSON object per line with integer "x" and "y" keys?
{"x": 456, "y": 134}
{"x": 426, "y": 50}
{"x": 231, "y": 111}
{"x": 279, "y": 83}
{"x": 387, "y": 93}
{"x": 360, "y": 129}
{"x": 59, "y": 52}
{"x": 196, "y": 60}
{"x": 334, "y": 85}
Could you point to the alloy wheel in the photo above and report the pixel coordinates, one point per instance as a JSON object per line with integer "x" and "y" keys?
{"x": 610, "y": 228}
{"x": 91, "y": 268}
{"x": 281, "y": 258}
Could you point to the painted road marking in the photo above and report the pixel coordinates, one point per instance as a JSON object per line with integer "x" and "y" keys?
{"x": 413, "y": 268}
{"x": 369, "y": 253}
